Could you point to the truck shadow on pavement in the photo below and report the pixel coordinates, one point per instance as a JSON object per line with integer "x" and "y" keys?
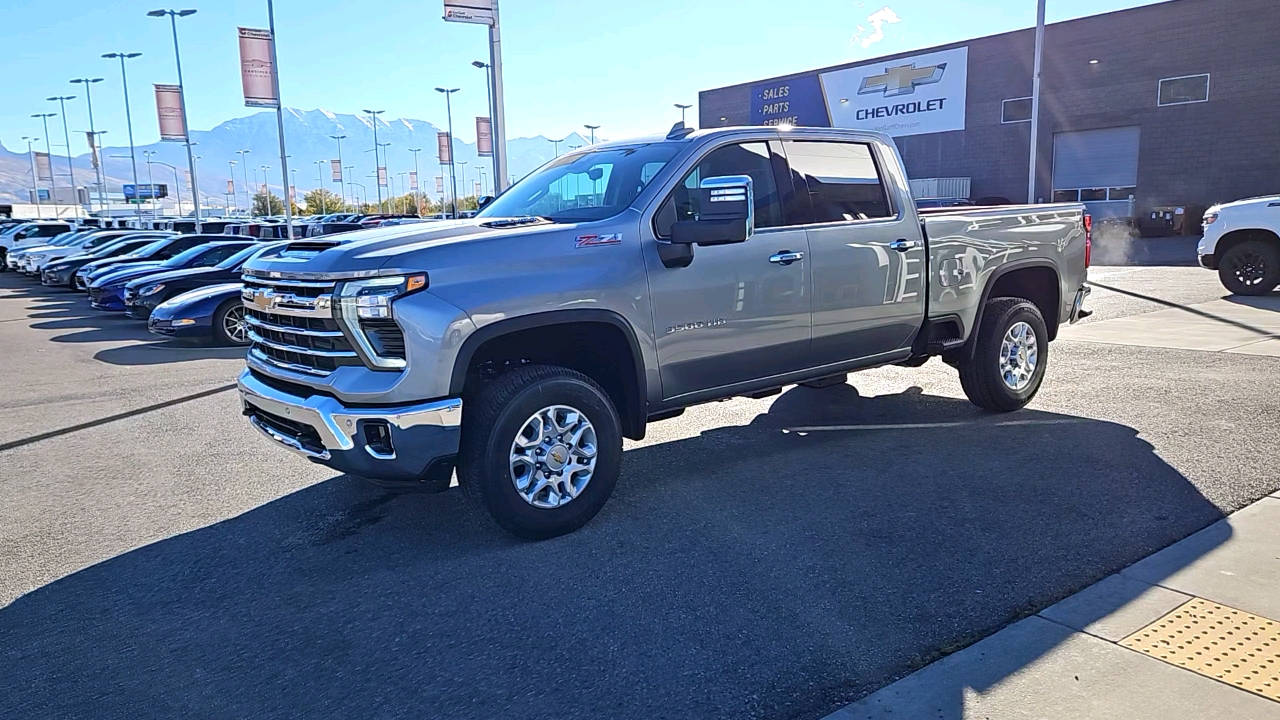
{"x": 772, "y": 570}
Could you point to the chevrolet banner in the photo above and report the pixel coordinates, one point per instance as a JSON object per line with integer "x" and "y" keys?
{"x": 173, "y": 126}
{"x": 335, "y": 170}
{"x": 257, "y": 74}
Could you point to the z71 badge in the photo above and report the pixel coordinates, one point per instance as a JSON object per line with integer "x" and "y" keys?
{"x": 594, "y": 240}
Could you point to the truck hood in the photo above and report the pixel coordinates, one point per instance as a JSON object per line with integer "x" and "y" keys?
{"x": 1264, "y": 200}
{"x": 378, "y": 251}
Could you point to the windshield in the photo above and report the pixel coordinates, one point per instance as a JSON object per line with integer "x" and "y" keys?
{"x": 185, "y": 257}
{"x": 149, "y": 248}
{"x": 239, "y": 258}
{"x": 591, "y": 185}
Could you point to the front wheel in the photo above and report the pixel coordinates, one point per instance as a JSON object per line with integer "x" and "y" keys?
{"x": 1009, "y": 355}
{"x": 229, "y": 326}
{"x": 541, "y": 450}
{"x": 1250, "y": 268}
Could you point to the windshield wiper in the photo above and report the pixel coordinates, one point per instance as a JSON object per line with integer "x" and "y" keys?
{"x": 517, "y": 221}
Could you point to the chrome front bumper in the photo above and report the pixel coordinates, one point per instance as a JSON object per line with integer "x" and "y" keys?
{"x": 324, "y": 430}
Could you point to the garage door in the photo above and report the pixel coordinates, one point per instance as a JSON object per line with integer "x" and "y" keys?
{"x": 1099, "y": 167}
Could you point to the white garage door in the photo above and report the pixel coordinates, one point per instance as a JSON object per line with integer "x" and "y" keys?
{"x": 1098, "y": 167}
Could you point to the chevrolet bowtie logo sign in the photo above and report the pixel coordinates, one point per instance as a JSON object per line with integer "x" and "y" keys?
{"x": 901, "y": 80}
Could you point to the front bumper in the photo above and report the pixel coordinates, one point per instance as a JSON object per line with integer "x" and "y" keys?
{"x": 418, "y": 448}
{"x": 50, "y": 277}
{"x": 106, "y": 298}
{"x": 1208, "y": 261}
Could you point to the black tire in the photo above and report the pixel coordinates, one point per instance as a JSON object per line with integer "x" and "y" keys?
{"x": 220, "y": 320}
{"x": 1250, "y": 268}
{"x": 490, "y": 425}
{"x": 980, "y": 374}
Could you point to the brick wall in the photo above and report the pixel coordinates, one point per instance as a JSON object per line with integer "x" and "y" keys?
{"x": 1194, "y": 154}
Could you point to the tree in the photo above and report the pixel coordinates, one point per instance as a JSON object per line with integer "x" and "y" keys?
{"x": 321, "y": 200}
{"x": 267, "y": 203}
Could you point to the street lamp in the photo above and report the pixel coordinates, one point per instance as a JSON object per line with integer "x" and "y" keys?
{"x": 488, "y": 85}
{"x": 182, "y": 99}
{"x": 35, "y": 181}
{"x": 244, "y": 168}
{"x": 593, "y": 129}
{"x": 97, "y": 166}
{"x": 177, "y": 186}
{"x": 124, "y": 82}
{"x": 453, "y": 177}
{"x": 464, "y": 175}
{"x": 556, "y": 144}
{"x": 66, "y": 136}
{"x": 682, "y": 109}
{"x": 374, "y": 115}
{"x": 341, "y": 184}
{"x": 48, "y": 150}
{"x": 150, "y": 182}
{"x": 417, "y": 191}
{"x": 320, "y": 183}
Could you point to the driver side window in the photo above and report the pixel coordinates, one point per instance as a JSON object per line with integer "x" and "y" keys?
{"x": 751, "y": 159}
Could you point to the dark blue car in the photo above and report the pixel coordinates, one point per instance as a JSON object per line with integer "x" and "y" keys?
{"x": 212, "y": 313}
{"x": 107, "y": 291}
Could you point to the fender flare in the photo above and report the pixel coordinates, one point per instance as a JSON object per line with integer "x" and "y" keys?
{"x": 971, "y": 345}
{"x": 634, "y": 419}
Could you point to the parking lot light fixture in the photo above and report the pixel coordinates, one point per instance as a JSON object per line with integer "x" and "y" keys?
{"x": 682, "y": 107}
{"x": 97, "y": 171}
{"x": 182, "y": 99}
{"x": 453, "y": 175}
{"x": 48, "y": 150}
{"x": 373, "y": 115}
{"x": 66, "y": 138}
{"x": 128, "y": 116}
{"x": 35, "y": 181}
{"x": 342, "y": 187}
{"x": 593, "y": 129}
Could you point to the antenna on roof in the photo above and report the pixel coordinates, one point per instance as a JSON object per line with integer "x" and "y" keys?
{"x": 679, "y": 131}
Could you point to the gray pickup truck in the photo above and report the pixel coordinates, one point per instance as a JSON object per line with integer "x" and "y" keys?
{"x": 617, "y": 285}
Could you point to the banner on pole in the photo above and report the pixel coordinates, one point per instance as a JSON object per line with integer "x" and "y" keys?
{"x": 413, "y": 180}
{"x": 231, "y": 187}
{"x": 477, "y": 189}
{"x": 257, "y": 74}
{"x": 173, "y": 126}
{"x": 444, "y": 148}
{"x": 93, "y": 149}
{"x": 479, "y": 12}
{"x": 439, "y": 183}
{"x": 293, "y": 193}
{"x": 484, "y": 137}
{"x": 382, "y": 176}
{"x": 335, "y": 170}
{"x": 44, "y": 168}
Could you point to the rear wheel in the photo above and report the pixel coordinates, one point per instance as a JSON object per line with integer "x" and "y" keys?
{"x": 541, "y": 450}
{"x": 229, "y": 326}
{"x": 1010, "y": 351}
{"x": 1250, "y": 268}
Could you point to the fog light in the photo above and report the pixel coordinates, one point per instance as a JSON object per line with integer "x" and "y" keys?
{"x": 184, "y": 321}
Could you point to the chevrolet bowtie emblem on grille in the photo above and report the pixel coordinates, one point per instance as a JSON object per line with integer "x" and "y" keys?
{"x": 901, "y": 80}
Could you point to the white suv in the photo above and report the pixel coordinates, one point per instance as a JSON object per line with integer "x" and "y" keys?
{"x": 1242, "y": 242}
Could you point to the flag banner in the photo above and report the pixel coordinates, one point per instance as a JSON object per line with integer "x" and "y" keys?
{"x": 93, "y": 149}
{"x": 173, "y": 126}
{"x": 479, "y": 12}
{"x": 231, "y": 187}
{"x": 413, "y": 181}
{"x": 439, "y": 184}
{"x": 257, "y": 74}
{"x": 484, "y": 137}
{"x": 293, "y": 193}
{"x": 477, "y": 189}
{"x": 444, "y": 147}
{"x": 382, "y": 176}
{"x": 335, "y": 170}
{"x": 44, "y": 168}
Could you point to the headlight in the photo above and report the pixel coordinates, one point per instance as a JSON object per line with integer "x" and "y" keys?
{"x": 150, "y": 289}
{"x": 371, "y": 299}
{"x": 1210, "y": 217}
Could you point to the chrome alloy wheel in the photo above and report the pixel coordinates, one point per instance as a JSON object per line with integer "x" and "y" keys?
{"x": 553, "y": 456}
{"x": 1018, "y": 356}
{"x": 233, "y": 323}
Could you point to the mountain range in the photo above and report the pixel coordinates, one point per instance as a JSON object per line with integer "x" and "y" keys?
{"x": 308, "y": 140}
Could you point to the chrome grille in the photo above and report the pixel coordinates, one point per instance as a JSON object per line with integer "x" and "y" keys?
{"x": 291, "y": 325}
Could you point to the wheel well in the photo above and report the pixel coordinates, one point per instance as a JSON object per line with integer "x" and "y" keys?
{"x": 1038, "y": 284}
{"x": 600, "y": 350}
{"x": 1235, "y": 237}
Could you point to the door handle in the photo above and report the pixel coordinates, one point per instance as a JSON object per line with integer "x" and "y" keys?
{"x": 903, "y": 245}
{"x": 785, "y": 257}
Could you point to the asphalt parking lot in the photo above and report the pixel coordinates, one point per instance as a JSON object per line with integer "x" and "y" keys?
{"x": 161, "y": 559}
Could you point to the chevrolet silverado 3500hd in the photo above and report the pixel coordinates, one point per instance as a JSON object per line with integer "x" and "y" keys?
{"x": 617, "y": 285}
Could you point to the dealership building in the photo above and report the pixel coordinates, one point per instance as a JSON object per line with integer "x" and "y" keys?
{"x": 1165, "y": 109}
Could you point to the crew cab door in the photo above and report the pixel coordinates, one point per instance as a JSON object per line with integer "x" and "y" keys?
{"x": 736, "y": 312}
{"x": 866, "y": 249}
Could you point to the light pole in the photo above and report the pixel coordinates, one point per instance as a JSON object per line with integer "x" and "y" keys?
{"x": 417, "y": 191}
{"x": 182, "y": 98}
{"x": 488, "y": 85}
{"x": 320, "y": 183}
{"x": 35, "y": 181}
{"x": 386, "y": 172}
{"x": 266, "y": 189}
{"x": 593, "y": 129}
{"x": 231, "y": 166}
{"x": 682, "y": 109}
{"x": 96, "y": 145}
{"x": 66, "y": 136}
{"x": 556, "y": 144}
{"x": 464, "y": 176}
{"x": 1035, "y": 102}
{"x": 151, "y": 185}
{"x": 177, "y": 186}
{"x": 374, "y": 115}
{"x": 97, "y": 169}
{"x": 453, "y": 177}
{"x": 128, "y": 116}
{"x": 355, "y": 199}
{"x": 48, "y": 150}
{"x": 244, "y": 168}
{"x": 341, "y": 180}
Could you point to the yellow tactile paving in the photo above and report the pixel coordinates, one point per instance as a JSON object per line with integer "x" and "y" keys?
{"x": 1220, "y": 642}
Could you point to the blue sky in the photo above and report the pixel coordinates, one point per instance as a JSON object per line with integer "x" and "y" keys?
{"x": 568, "y": 62}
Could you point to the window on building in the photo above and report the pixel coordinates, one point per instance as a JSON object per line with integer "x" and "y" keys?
{"x": 841, "y": 178}
{"x": 1015, "y": 110}
{"x": 1122, "y": 193}
{"x": 1066, "y": 195}
{"x": 1182, "y": 90}
{"x": 1093, "y": 194}
{"x": 751, "y": 159}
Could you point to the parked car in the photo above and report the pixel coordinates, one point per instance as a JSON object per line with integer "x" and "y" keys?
{"x": 16, "y": 235}
{"x": 34, "y": 262}
{"x": 711, "y": 264}
{"x": 107, "y": 292}
{"x": 156, "y": 252}
{"x": 142, "y": 295}
{"x": 15, "y": 257}
{"x": 63, "y": 270}
{"x": 1242, "y": 242}
{"x": 214, "y": 313}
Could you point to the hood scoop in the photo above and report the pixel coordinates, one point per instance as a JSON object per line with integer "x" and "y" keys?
{"x": 514, "y": 222}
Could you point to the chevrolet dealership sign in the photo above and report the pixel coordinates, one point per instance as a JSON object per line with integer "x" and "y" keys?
{"x": 906, "y": 96}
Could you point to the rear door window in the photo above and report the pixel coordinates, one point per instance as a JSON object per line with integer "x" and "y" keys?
{"x": 842, "y": 180}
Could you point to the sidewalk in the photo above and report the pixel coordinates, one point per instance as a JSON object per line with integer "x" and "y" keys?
{"x": 1191, "y": 632}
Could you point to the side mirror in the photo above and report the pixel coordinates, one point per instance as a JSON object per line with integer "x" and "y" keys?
{"x": 726, "y": 213}
{"x": 484, "y": 200}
